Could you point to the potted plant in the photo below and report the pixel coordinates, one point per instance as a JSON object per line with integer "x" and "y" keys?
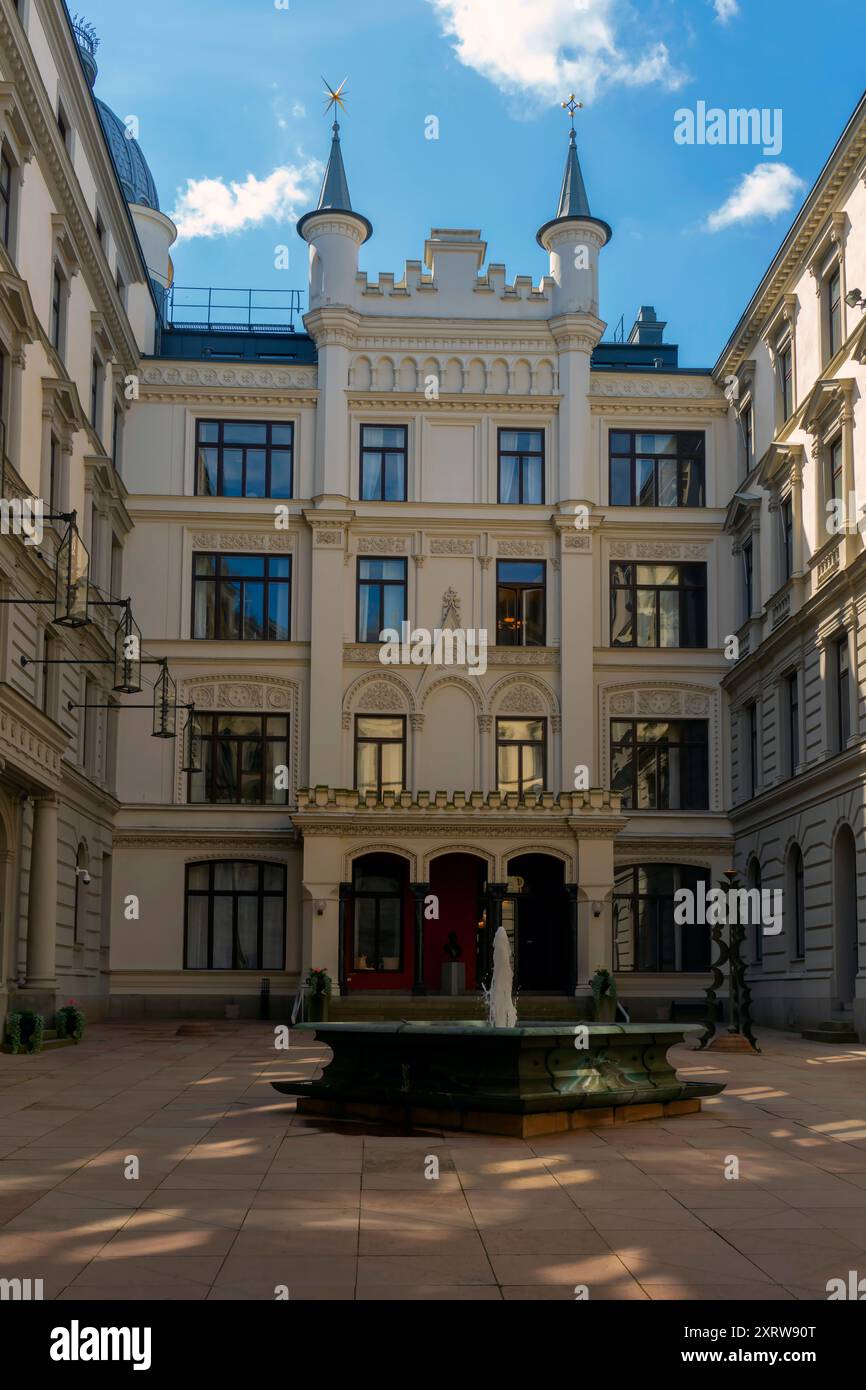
{"x": 24, "y": 1031}
{"x": 69, "y": 1022}
{"x": 603, "y": 987}
{"x": 318, "y": 984}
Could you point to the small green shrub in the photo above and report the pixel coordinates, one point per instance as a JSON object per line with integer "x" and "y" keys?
{"x": 69, "y": 1022}
{"x": 32, "y": 1030}
{"x": 13, "y": 1031}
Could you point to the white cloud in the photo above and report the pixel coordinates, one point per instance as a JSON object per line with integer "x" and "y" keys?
{"x": 767, "y": 191}
{"x": 213, "y": 207}
{"x": 547, "y": 48}
{"x": 298, "y": 110}
{"x": 725, "y": 10}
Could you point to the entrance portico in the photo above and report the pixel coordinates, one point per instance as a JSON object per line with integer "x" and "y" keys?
{"x": 395, "y": 886}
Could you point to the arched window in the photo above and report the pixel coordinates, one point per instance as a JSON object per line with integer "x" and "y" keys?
{"x": 235, "y": 916}
{"x": 379, "y": 884}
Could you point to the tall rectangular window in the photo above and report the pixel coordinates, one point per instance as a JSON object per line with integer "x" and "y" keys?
{"x": 843, "y": 693}
{"x": 520, "y": 603}
{"x": 834, "y": 471}
{"x": 786, "y": 379}
{"x": 58, "y": 286}
{"x": 240, "y": 757}
{"x": 521, "y": 466}
{"x": 235, "y": 916}
{"x": 383, "y": 463}
{"x": 520, "y": 756}
{"x": 5, "y": 198}
{"x": 660, "y": 765}
{"x": 786, "y": 522}
{"x": 658, "y": 605}
{"x": 380, "y": 753}
{"x": 244, "y": 458}
{"x": 747, "y": 419}
{"x": 834, "y": 313}
{"x": 381, "y": 599}
{"x": 793, "y": 691}
{"x": 242, "y": 598}
{"x": 748, "y": 578}
{"x": 96, "y": 394}
{"x": 657, "y": 470}
{"x": 752, "y": 718}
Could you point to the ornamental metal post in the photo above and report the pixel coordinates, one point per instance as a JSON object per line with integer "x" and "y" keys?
{"x": 342, "y": 973}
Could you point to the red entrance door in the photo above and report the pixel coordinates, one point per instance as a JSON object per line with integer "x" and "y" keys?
{"x": 457, "y": 882}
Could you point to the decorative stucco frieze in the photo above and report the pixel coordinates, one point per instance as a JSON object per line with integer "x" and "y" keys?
{"x": 242, "y": 540}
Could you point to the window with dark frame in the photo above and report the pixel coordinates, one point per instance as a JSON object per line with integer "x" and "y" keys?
{"x": 521, "y": 757}
{"x": 520, "y": 603}
{"x": 239, "y": 757}
{"x": 5, "y": 198}
{"x": 235, "y": 916}
{"x": 384, "y": 463}
{"x": 57, "y": 309}
{"x": 96, "y": 393}
{"x": 381, "y": 597}
{"x": 646, "y": 937}
{"x": 100, "y": 229}
{"x": 380, "y": 753}
{"x": 748, "y": 434}
{"x": 244, "y": 458}
{"x": 748, "y": 578}
{"x": 793, "y": 689}
{"x": 786, "y": 521}
{"x": 658, "y": 605}
{"x": 242, "y": 598}
{"x": 834, "y": 471}
{"x": 63, "y": 126}
{"x": 660, "y": 765}
{"x": 834, "y": 313}
{"x": 786, "y": 379}
{"x": 843, "y": 693}
{"x": 657, "y": 470}
{"x": 798, "y": 885}
{"x": 378, "y": 913}
{"x": 521, "y": 466}
{"x": 752, "y": 717}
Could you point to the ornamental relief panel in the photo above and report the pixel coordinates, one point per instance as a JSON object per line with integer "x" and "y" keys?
{"x": 444, "y": 545}
{"x": 381, "y": 545}
{"x": 521, "y": 548}
{"x": 242, "y": 540}
{"x": 522, "y": 699}
{"x": 656, "y": 550}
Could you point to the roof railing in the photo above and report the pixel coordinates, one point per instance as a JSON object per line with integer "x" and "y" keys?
{"x": 201, "y": 309}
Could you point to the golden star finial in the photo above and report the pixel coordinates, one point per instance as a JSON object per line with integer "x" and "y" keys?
{"x": 335, "y": 96}
{"x": 571, "y": 106}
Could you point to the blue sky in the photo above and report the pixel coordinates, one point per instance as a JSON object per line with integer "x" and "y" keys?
{"x": 228, "y": 94}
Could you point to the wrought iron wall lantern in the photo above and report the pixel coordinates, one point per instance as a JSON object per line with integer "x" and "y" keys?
{"x": 192, "y": 743}
{"x": 127, "y": 655}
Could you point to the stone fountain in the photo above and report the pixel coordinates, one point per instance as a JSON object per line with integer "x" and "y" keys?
{"x": 498, "y": 1077}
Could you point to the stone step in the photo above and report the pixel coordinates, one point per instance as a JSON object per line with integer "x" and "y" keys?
{"x": 830, "y": 1033}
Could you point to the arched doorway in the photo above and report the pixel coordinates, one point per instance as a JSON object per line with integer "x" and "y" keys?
{"x": 846, "y": 953}
{"x": 378, "y": 927}
{"x": 458, "y": 882}
{"x": 541, "y": 920}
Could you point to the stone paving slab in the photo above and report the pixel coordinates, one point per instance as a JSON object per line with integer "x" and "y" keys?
{"x": 236, "y": 1195}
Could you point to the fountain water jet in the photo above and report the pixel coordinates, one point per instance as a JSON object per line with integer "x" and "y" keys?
{"x": 499, "y": 998}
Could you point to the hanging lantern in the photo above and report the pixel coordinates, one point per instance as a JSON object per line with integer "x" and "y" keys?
{"x": 127, "y": 655}
{"x": 70, "y": 584}
{"x": 192, "y": 737}
{"x": 164, "y": 705}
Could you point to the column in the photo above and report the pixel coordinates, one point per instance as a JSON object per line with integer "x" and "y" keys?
{"x": 327, "y": 581}
{"x": 852, "y": 534}
{"x": 42, "y": 917}
{"x": 485, "y": 724}
{"x": 797, "y": 558}
{"x": 419, "y": 892}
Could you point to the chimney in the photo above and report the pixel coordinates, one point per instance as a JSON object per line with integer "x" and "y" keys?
{"x": 647, "y": 327}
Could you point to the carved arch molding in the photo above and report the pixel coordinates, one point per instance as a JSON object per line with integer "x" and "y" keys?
{"x": 252, "y": 695}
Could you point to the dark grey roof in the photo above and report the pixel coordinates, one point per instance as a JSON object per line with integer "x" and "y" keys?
{"x": 573, "y": 201}
{"x": 335, "y": 185}
{"x": 133, "y": 170}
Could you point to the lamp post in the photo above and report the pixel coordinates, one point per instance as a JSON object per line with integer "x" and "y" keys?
{"x": 739, "y": 1036}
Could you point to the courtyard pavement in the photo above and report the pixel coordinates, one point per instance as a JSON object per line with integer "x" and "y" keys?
{"x": 237, "y": 1196}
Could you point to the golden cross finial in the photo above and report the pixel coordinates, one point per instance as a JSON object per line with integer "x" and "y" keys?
{"x": 335, "y": 96}
{"x": 571, "y": 106}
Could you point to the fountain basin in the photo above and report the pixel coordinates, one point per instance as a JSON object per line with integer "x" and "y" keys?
{"x": 518, "y": 1081}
